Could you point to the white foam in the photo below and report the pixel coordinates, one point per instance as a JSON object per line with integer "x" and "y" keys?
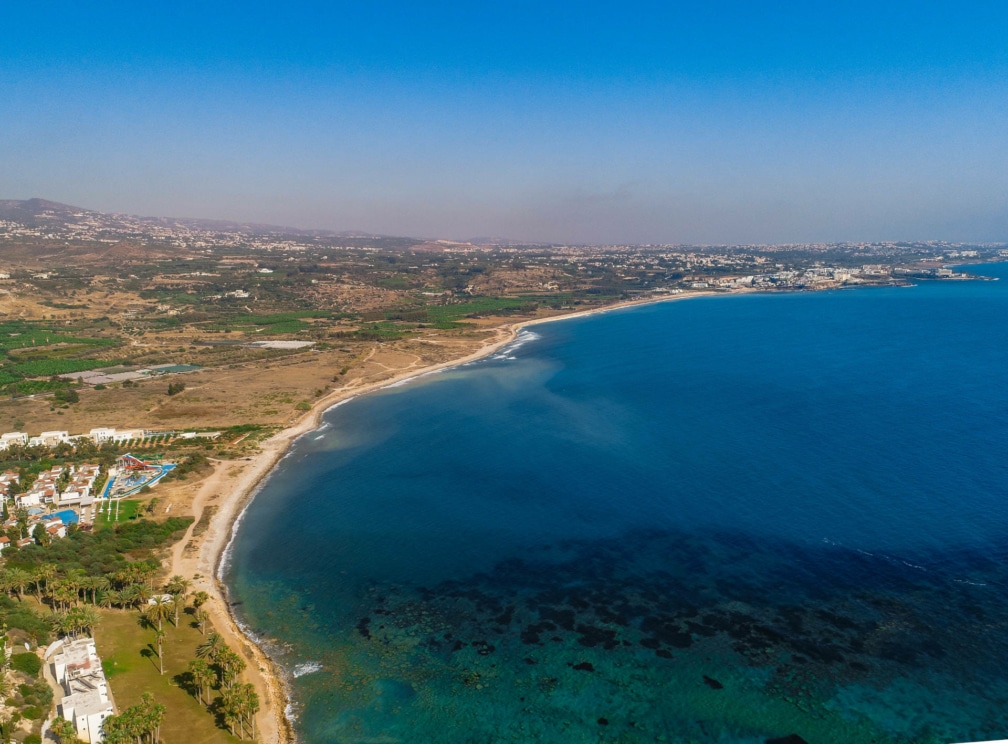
{"x": 405, "y": 380}
{"x": 521, "y": 339}
{"x": 320, "y": 436}
{"x": 307, "y": 667}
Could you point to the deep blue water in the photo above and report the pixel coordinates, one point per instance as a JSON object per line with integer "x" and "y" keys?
{"x": 717, "y": 520}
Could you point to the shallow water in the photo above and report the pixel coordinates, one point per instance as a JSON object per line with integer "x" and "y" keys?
{"x": 721, "y": 520}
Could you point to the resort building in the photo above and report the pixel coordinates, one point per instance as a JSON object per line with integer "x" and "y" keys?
{"x": 86, "y": 704}
{"x": 13, "y": 437}
{"x": 101, "y": 434}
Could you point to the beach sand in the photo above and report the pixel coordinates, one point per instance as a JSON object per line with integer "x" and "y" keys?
{"x": 222, "y": 496}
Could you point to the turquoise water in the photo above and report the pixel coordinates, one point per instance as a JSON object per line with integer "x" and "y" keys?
{"x": 719, "y": 520}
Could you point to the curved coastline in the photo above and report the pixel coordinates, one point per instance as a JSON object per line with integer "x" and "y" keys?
{"x": 233, "y": 486}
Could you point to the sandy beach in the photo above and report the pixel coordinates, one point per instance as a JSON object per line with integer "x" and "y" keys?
{"x": 223, "y": 495}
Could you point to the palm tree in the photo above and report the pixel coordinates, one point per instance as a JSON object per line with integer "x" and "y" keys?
{"x": 63, "y": 730}
{"x": 141, "y": 593}
{"x": 177, "y": 603}
{"x": 178, "y": 585}
{"x": 199, "y": 599}
{"x": 249, "y": 702}
{"x": 19, "y": 578}
{"x": 158, "y": 609}
{"x": 42, "y": 575}
{"x": 230, "y": 704}
{"x": 86, "y": 618}
{"x": 202, "y": 675}
{"x": 230, "y": 665}
{"x": 211, "y": 647}
{"x": 201, "y": 620}
{"x": 94, "y": 584}
{"x": 131, "y": 595}
{"x": 63, "y": 595}
{"x": 73, "y": 579}
{"x": 108, "y": 598}
{"x": 159, "y": 637}
{"x": 155, "y": 713}
{"x": 60, "y": 623}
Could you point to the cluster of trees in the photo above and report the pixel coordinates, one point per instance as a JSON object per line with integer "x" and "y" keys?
{"x": 174, "y": 388}
{"x": 104, "y": 551}
{"x": 138, "y": 723}
{"x": 216, "y": 664}
{"x": 191, "y": 463}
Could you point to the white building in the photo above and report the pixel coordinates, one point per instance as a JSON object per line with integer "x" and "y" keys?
{"x": 13, "y": 437}
{"x": 78, "y": 670}
{"x": 52, "y": 438}
{"x": 101, "y": 434}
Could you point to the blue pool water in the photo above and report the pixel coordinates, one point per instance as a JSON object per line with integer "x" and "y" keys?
{"x": 718, "y": 520}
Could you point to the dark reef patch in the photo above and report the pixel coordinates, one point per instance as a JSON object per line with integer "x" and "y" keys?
{"x": 839, "y": 621}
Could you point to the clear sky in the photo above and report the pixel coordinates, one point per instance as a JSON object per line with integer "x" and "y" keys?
{"x": 699, "y": 122}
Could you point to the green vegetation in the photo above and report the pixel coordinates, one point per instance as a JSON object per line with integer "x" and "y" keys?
{"x": 28, "y": 663}
{"x": 192, "y": 462}
{"x": 479, "y": 306}
{"x": 122, "y": 511}
{"x": 277, "y": 323}
{"x": 22, "y": 334}
{"x": 104, "y": 551}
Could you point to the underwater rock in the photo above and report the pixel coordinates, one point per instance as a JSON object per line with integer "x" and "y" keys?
{"x": 362, "y": 627}
{"x": 712, "y": 683}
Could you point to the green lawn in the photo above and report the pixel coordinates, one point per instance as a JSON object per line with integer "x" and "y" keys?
{"x": 126, "y": 509}
{"x": 130, "y": 661}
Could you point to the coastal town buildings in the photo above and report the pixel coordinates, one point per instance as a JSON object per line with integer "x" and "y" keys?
{"x": 61, "y": 486}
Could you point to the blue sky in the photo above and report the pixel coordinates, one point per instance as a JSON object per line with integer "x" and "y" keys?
{"x": 570, "y": 122}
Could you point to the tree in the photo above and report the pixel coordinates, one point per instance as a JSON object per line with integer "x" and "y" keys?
{"x": 159, "y": 637}
{"x": 158, "y": 609}
{"x": 202, "y": 676}
{"x": 249, "y": 705}
{"x": 201, "y": 620}
{"x": 64, "y": 731}
{"x": 19, "y": 578}
{"x": 41, "y": 535}
{"x": 135, "y": 723}
{"x": 42, "y": 576}
{"x": 211, "y": 647}
{"x": 230, "y": 665}
{"x": 177, "y": 603}
{"x": 178, "y": 585}
{"x": 85, "y": 618}
{"x": 59, "y": 622}
{"x": 96, "y": 584}
{"x": 200, "y": 598}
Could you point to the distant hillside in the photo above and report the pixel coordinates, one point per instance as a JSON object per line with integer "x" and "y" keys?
{"x": 41, "y": 213}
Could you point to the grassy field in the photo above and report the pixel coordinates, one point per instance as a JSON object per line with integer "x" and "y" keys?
{"x": 125, "y": 508}
{"x": 129, "y": 658}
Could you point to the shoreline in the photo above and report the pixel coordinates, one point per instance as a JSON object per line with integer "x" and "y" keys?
{"x": 233, "y": 486}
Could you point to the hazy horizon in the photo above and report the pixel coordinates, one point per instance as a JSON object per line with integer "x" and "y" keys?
{"x": 588, "y": 123}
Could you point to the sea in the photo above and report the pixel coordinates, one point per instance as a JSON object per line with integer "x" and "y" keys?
{"x": 735, "y": 519}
